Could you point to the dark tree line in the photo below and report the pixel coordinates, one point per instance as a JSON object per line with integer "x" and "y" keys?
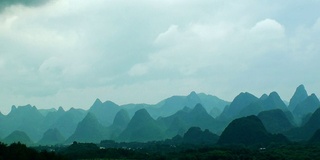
{"x": 18, "y": 151}
{"x": 156, "y": 150}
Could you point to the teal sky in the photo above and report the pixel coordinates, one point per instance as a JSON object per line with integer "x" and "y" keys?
{"x": 70, "y": 52}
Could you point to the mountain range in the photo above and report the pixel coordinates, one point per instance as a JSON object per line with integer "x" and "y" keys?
{"x": 267, "y": 116}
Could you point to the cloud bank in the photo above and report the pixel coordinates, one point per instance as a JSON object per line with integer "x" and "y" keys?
{"x": 53, "y": 53}
{"x": 30, "y": 3}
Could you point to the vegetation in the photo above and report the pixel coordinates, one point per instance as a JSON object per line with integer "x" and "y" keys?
{"x": 168, "y": 149}
{"x": 20, "y": 151}
{"x": 160, "y": 150}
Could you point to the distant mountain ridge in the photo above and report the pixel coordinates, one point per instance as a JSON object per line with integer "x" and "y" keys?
{"x": 299, "y": 95}
{"x": 105, "y": 111}
{"x": 167, "y": 119}
{"x": 186, "y": 118}
{"x": 52, "y": 137}
{"x": 275, "y": 121}
{"x": 142, "y": 128}
{"x": 246, "y": 104}
{"x": 18, "y": 136}
{"x": 237, "y": 105}
{"x": 307, "y": 106}
{"x": 173, "y": 104}
{"x": 89, "y": 130}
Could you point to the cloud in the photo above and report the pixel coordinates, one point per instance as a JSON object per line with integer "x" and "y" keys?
{"x": 138, "y": 70}
{"x": 269, "y": 28}
{"x": 7, "y": 3}
{"x": 220, "y": 47}
{"x": 63, "y": 47}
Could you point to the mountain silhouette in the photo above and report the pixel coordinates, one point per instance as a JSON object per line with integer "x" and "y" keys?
{"x": 174, "y": 116}
{"x": 237, "y": 105}
{"x": 142, "y": 128}
{"x": 51, "y": 118}
{"x": 307, "y": 106}
{"x": 316, "y": 137}
{"x": 120, "y": 122}
{"x": 270, "y": 102}
{"x": 195, "y": 135}
{"x": 275, "y": 121}
{"x": 89, "y": 130}
{"x": 173, "y": 104}
{"x": 186, "y": 118}
{"x": 176, "y": 127}
{"x": 68, "y": 121}
{"x": 299, "y": 95}
{"x": 248, "y": 131}
{"x": 213, "y": 104}
{"x": 23, "y": 118}
{"x": 252, "y": 109}
{"x": 274, "y": 102}
{"x": 18, "y": 136}
{"x": 306, "y": 131}
{"x": 105, "y": 112}
{"x": 52, "y": 137}
{"x": 312, "y": 125}
{"x": 121, "y": 119}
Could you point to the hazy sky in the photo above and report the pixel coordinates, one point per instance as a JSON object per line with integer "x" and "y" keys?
{"x": 70, "y": 52}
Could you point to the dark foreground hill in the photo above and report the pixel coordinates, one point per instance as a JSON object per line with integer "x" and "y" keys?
{"x": 249, "y": 131}
{"x": 316, "y": 137}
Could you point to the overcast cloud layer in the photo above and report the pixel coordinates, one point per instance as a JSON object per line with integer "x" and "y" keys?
{"x": 70, "y": 52}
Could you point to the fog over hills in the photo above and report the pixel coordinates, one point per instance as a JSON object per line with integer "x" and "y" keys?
{"x": 171, "y": 117}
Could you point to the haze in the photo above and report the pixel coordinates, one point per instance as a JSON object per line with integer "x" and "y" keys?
{"x": 69, "y": 52}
